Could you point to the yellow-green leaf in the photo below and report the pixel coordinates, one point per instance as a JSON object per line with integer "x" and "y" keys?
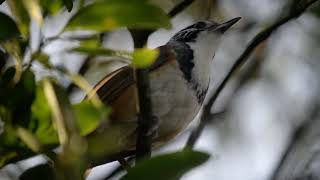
{"x": 110, "y": 14}
{"x": 89, "y": 116}
{"x": 144, "y": 57}
{"x": 34, "y": 10}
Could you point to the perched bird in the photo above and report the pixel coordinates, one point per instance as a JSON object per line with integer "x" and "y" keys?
{"x": 179, "y": 80}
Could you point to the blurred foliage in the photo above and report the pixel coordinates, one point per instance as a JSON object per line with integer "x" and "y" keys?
{"x": 144, "y": 57}
{"x": 21, "y": 15}
{"x": 40, "y": 172}
{"x": 110, "y": 14}
{"x": 167, "y": 166}
{"x": 36, "y": 112}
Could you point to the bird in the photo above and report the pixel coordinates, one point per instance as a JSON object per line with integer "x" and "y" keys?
{"x": 179, "y": 81}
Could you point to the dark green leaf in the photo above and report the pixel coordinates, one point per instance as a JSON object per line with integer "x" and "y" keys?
{"x": 5, "y": 78}
{"x": 89, "y": 116}
{"x": 110, "y": 14}
{"x": 22, "y": 97}
{"x": 8, "y": 28}
{"x": 68, "y": 4}
{"x": 3, "y": 60}
{"x": 169, "y": 166}
{"x": 11, "y": 148}
{"x": 39, "y": 172}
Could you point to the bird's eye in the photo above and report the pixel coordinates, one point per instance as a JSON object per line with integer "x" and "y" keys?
{"x": 199, "y": 25}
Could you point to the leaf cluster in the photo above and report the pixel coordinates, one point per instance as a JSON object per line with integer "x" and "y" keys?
{"x": 36, "y": 116}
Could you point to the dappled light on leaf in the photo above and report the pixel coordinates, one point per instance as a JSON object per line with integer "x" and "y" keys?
{"x": 143, "y": 58}
{"x": 108, "y": 15}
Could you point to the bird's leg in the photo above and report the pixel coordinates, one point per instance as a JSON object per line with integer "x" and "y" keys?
{"x": 155, "y": 126}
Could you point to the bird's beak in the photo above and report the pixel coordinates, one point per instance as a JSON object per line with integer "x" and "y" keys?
{"x": 226, "y": 25}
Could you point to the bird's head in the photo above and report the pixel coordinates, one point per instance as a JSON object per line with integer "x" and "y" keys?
{"x": 204, "y": 33}
{"x": 196, "y": 45}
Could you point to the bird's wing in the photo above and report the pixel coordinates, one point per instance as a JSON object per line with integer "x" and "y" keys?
{"x": 118, "y": 91}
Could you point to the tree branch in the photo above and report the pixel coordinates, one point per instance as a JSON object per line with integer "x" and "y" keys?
{"x": 144, "y": 139}
{"x": 294, "y": 12}
{"x": 180, "y": 7}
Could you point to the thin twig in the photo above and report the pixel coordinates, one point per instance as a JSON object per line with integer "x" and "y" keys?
{"x": 297, "y": 157}
{"x": 85, "y": 65}
{"x": 259, "y": 38}
{"x": 180, "y": 7}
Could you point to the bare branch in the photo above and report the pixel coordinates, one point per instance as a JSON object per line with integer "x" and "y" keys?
{"x": 144, "y": 139}
{"x": 295, "y": 12}
{"x": 85, "y": 65}
{"x": 180, "y": 7}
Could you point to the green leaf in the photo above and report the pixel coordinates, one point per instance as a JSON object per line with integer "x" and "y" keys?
{"x": 20, "y": 98}
{"x": 5, "y": 78}
{"x": 21, "y": 16}
{"x": 43, "y": 58}
{"x": 68, "y": 4}
{"x": 89, "y": 116}
{"x": 110, "y": 14}
{"x": 41, "y": 123}
{"x": 168, "y": 166}
{"x": 51, "y": 7}
{"x": 8, "y": 28}
{"x": 38, "y": 133}
{"x": 72, "y": 162}
{"x": 144, "y": 57}
{"x": 11, "y": 148}
{"x": 62, "y": 112}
